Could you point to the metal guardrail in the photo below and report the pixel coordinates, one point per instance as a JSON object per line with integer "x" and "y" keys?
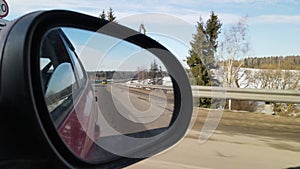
{"x": 279, "y": 96}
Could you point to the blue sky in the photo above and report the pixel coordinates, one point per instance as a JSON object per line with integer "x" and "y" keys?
{"x": 274, "y": 25}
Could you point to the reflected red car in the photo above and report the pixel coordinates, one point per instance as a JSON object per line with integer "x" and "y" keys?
{"x": 69, "y": 95}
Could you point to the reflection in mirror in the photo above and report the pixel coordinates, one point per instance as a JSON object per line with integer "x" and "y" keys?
{"x": 105, "y": 96}
{"x": 60, "y": 86}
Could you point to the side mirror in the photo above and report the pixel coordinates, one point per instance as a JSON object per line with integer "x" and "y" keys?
{"x": 53, "y": 66}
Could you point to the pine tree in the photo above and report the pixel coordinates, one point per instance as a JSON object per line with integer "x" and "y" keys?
{"x": 213, "y": 29}
{"x": 155, "y": 73}
{"x": 200, "y": 45}
{"x": 103, "y": 15}
{"x": 195, "y": 61}
{"x": 201, "y": 57}
{"x": 198, "y": 69}
{"x": 111, "y": 16}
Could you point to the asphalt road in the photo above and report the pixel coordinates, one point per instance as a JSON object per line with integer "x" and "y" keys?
{"x": 242, "y": 141}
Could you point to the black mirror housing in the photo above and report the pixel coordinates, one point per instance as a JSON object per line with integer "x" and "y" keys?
{"x": 29, "y": 138}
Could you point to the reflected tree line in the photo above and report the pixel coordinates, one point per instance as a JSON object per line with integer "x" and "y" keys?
{"x": 153, "y": 75}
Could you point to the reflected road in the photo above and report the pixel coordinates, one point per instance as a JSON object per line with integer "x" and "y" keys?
{"x": 116, "y": 104}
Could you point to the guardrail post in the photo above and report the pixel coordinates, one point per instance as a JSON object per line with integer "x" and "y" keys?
{"x": 268, "y": 108}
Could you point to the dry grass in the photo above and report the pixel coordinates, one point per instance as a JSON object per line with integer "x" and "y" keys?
{"x": 287, "y": 128}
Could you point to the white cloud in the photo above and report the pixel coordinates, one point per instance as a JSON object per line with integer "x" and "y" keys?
{"x": 252, "y": 1}
{"x": 125, "y": 8}
{"x": 275, "y": 19}
{"x": 231, "y": 1}
{"x": 122, "y": 8}
{"x": 187, "y": 15}
{"x": 21, "y": 7}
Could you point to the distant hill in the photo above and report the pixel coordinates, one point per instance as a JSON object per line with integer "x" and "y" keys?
{"x": 272, "y": 62}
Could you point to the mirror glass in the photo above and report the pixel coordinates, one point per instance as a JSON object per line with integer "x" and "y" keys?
{"x": 106, "y": 97}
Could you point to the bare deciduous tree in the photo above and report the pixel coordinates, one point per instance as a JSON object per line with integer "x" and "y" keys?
{"x": 234, "y": 47}
{"x": 276, "y": 79}
{"x": 142, "y": 75}
{"x": 273, "y": 79}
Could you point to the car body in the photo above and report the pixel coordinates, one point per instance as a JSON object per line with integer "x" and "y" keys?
{"x": 70, "y": 102}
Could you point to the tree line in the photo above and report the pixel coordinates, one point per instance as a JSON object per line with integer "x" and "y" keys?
{"x": 270, "y": 62}
{"x": 110, "y": 15}
{"x": 273, "y": 62}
